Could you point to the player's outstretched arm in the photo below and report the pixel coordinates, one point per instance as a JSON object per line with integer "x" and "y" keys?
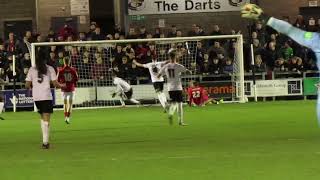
{"x": 308, "y": 39}
{"x": 138, "y": 64}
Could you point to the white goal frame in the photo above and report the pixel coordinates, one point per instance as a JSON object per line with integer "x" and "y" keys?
{"x": 240, "y": 90}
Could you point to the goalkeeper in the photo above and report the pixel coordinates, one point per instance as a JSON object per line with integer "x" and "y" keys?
{"x": 308, "y": 39}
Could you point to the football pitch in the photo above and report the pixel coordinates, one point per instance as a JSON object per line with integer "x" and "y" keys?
{"x": 253, "y": 141}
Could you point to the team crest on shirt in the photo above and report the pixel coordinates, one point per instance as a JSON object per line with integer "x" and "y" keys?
{"x": 237, "y": 3}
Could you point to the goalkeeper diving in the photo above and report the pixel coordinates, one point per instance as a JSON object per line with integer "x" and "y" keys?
{"x": 310, "y": 40}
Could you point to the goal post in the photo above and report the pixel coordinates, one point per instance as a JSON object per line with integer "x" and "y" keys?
{"x": 93, "y": 59}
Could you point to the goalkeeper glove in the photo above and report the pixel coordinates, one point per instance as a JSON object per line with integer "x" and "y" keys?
{"x": 252, "y": 11}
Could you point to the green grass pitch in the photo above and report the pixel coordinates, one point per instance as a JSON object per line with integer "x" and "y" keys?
{"x": 253, "y": 141}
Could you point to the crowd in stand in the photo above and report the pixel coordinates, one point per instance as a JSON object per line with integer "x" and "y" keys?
{"x": 272, "y": 51}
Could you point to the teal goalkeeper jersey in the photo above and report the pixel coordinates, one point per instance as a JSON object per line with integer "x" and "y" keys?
{"x": 304, "y": 38}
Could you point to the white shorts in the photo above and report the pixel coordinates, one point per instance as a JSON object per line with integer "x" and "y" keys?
{"x": 68, "y": 95}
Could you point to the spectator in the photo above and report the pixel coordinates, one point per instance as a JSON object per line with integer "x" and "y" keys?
{"x": 228, "y": 67}
{"x": 97, "y": 35}
{"x": 3, "y": 57}
{"x": 200, "y": 52}
{"x": 51, "y": 35}
{"x": 53, "y": 61}
{"x": 300, "y": 66}
{"x": 12, "y": 44}
{"x": 179, "y": 33}
{"x": 29, "y": 36}
{"x": 82, "y": 36}
{"x": 60, "y": 59}
{"x": 124, "y": 68}
{"x": 157, "y": 33}
{"x": 215, "y": 67}
{"x": 91, "y": 32}
{"x": 25, "y": 62}
{"x": 216, "y": 31}
{"x": 216, "y": 49}
{"x": 99, "y": 70}
{"x": 117, "y": 54}
{"x": 116, "y": 36}
{"x": 270, "y": 55}
{"x": 143, "y": 33}
{"x": 193, "y": 31}
{"x": 173, "y": 32}
{"x": 201, "y": 31}
{"x": 259, "y": 65}
{"x": 66, "y": 31}
{"x": 83, "y": 65}
{"x": 281, "y": 65}
{"x": 118, "y": 29}
{"x": 132, "y": 33}
{"x": 133, "y": 73}
{"x": 205, "y": 68}
{"x": 257, "y": 48}
{"x": 286, "y": 51}
{"x": 129, "y": 51}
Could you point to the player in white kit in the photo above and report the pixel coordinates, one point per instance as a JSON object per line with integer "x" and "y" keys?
{"x": 173, "y": 72}
{"x": 154, "y": 68}
{"x": 124, "y": 90}
{"x": 39, "y": 78}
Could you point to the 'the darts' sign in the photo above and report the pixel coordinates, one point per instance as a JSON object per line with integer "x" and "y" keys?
{"x": 141, "y": 7}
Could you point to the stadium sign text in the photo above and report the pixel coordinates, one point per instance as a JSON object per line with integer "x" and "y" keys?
{"x": 141, "y": 7}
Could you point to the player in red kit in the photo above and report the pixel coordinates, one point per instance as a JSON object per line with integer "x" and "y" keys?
{"x": 198, "y": 95}
{"x": 69, "y": 76}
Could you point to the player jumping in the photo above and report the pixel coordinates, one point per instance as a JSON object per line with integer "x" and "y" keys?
{"x": 124, "y": 90}
{"x": 173, "y": 72}
{"x": 198, "y": 96}
{"x": 68, "y": 75}
{"x": 154, "y": 68}
{"x": 308, "y": 39}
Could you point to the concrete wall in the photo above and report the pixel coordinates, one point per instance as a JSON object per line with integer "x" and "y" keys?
{"x": 54, "y": 8}
{"x": 16, "y": 10}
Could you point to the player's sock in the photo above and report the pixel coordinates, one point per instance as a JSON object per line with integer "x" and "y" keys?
{"x": 160, "y": 97}
{"x": 173, "y": 108}
{"x": 45, "y": 131}
{"x": 1, "y": 107}
{"x": 65, "y": 114}
{"x": 134, "y": 101}
{"x": 180, "y": 113}
{"x": 163, "y": 98}
{"x": 68, "y": 114}
{"x": 122, "y": 102}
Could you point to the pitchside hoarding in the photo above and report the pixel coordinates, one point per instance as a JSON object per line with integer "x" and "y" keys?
{"x": 311, "y": 86}
{"x": 142, "y": 7}
{"x": 24, "y": 98}
{"x": 272, "y": 88}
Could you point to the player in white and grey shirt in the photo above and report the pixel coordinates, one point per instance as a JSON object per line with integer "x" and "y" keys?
{"x": 173, "y": 72}
{"x": 123, "y": 89}
{"x": 158, "y": 82}
{"x": 39, "y": 78}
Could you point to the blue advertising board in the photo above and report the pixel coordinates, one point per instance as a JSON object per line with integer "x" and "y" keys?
{"x": 24, "y": 98}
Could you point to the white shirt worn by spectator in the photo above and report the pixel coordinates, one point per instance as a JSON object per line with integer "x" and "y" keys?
{"x": 41, "y": 91}
{"x": 154, "y": 68}
{"x": 122, "y": 85}
{"x": 173, "y": 72}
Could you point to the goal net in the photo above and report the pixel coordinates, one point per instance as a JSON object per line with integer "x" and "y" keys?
{"x": 94, "y": 59}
